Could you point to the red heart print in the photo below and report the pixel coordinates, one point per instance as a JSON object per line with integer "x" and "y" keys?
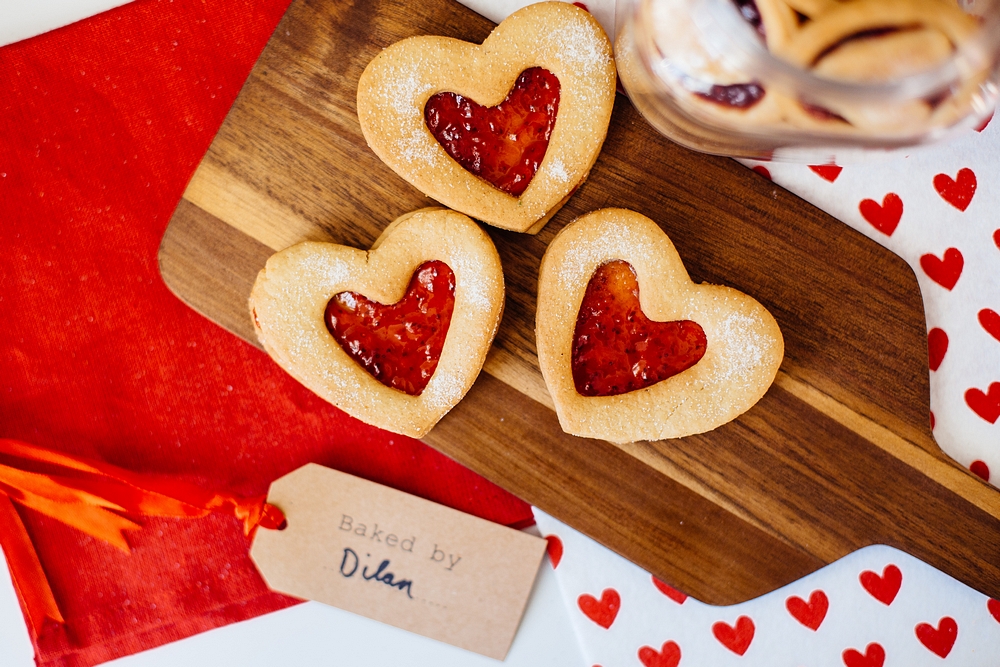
{"x": 504, "y": 144}
{"x": 985, "y": 405}
{"x": 980, "y": 469}
{"x": 601, "y": 611}
{"x": 996, "y": 238}
{"x": 762, "y": 170}
{"x": 938, "y": 640}
{"x": 873, "y": 656}
{"x": 937, "y": 346}
{"x": 884, "y": 217}
{"x": 883, "y": 588}
{"x": 616, "y": 348}
{"x": 669, "y": 655}
{"x": 737, "y": 639}
{"x": 554, "y": 548}
{"x": 959, "y": 191}
{"x": 985, "y": 123}
{"x": 990, "y": 320}
{"x": 993, "y": 606}
{"x": 809, "y": 614}
{"x": 828, "y": 172}
{"x": 932, "y": 421}
{"x": 398, "y": 344}
{"x": 945, "y": 272}
{"x": 670, "y": 591}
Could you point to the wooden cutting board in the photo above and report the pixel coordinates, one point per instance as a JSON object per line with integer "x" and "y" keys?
{"x": 838, "y": 455}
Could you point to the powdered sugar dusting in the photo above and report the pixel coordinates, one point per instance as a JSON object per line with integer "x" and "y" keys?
{"x": 745, "y": 349}
{"x": 443, "y": 391}
{"x": 473, "y": 282}
{"x": 336, "y": 377}
{"x": 399, "y": 97}
{"x": 558, "y": 171}
{"x": 580, "y": 44}
{"x": 289, "y": 313}
{"x": 415, "y": 147}
{"x": 617, "y": 242}
{"x": 325, "y": 270}
{"x": 403, "y": 87}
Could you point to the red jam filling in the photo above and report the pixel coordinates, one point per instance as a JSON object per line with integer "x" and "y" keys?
{"x": 399, "y": 344}
{"x": 740, "y": 95}
{"x": 737, "y": 95}
{"x": 505, "y": 144}
{"x": 616, "y": 348}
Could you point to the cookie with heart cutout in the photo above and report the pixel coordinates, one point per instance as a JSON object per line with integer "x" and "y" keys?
{"x": 394, "y": 336}
{"x": 631, "y": 349}
{"x": 504, "y": 131}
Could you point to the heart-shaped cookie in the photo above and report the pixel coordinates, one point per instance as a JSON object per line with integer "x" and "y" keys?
{"x": 323, "y": 313}
{"x": 548, "y": 59}
{"x": 692, "y": 358}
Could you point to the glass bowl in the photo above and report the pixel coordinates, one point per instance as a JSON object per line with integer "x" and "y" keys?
{"x": 809, "y": 80}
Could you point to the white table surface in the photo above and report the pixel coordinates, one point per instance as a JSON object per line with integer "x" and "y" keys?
{"x": 20, "y": 19}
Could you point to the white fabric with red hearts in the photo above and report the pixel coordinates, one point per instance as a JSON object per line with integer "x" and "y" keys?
{"x": 877, "y": 607}
{"x": 936, "y": 209}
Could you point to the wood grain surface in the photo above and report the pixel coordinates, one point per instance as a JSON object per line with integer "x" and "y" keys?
{"x": 838, "y": 455}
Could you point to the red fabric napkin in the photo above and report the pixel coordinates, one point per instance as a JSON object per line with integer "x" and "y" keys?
{"x": 102, "y": 124}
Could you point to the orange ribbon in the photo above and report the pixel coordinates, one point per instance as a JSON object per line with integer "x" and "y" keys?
{"x": 93, "y": 496}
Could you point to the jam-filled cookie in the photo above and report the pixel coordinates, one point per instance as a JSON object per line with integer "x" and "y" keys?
{"x": 864, "y": 57}
{"x": 631, "y": 349}
{"x": 504, "y": 131}
{"x": 394, "y": 336}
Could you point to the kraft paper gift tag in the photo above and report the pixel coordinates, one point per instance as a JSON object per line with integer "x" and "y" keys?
{"x": 398, "y": 559}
